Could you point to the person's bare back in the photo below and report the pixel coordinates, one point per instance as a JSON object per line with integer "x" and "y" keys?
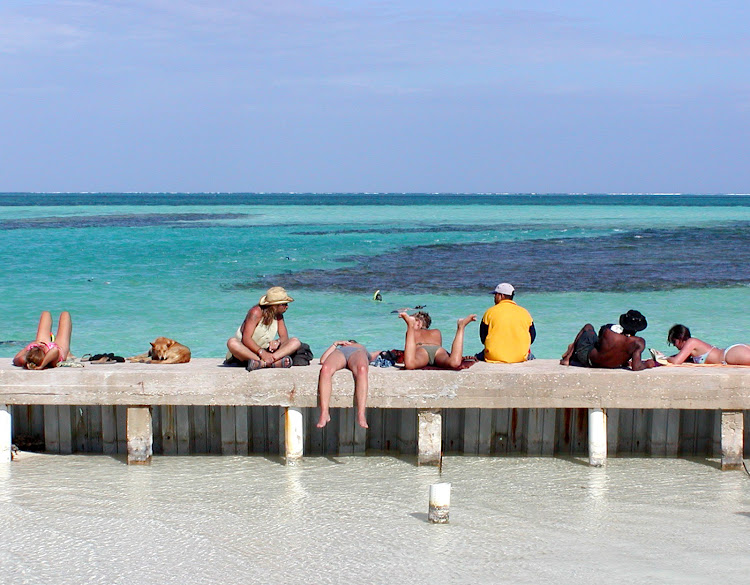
{"x": 615, "y": 346}
{"x": 617, "y": 350}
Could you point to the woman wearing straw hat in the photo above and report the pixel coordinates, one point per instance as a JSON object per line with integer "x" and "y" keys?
{"x": 262, "y": 340}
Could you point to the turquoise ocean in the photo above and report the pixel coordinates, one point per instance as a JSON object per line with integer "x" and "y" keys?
{"x": 131, "y": 267}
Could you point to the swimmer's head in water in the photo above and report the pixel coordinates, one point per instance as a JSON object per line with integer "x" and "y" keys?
{"x": 633, "y": 322}
{"x": 678, "y": 333}
{"x": 424, "y": 318}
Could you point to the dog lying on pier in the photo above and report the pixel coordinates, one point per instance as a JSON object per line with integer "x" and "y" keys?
{"x": 164, "y": 351}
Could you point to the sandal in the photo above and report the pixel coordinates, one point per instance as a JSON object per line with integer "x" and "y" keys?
{"x": 253, "y": 365}
{"x": 285, "y": 362}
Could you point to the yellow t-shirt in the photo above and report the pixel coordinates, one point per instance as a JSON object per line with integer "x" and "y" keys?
{"x": 508, "y": 339}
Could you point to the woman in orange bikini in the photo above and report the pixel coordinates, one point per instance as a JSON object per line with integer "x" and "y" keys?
{"x": 700, "y": 352}
{"x": 44, "y": 352}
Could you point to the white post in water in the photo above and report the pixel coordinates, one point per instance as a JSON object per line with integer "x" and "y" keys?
{"x": 140, "y": 435}
{"x": 440, "y": 503}
{"x": 5, "y": 433}
{"x": 294, "y": 439}
{"x": 732, "y": 444}
{"x": 597, "y": 437}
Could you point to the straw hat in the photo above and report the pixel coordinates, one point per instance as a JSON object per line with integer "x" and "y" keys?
{"x": 276, "y": 295}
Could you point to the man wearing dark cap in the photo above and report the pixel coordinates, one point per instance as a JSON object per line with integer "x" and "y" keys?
{"x": 616, "y": 346}
{"x": 507, "y": 330}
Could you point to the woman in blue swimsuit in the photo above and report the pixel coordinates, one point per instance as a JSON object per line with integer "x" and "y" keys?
{"x": 700, "y": 352}
{"x": 353, "y": 356}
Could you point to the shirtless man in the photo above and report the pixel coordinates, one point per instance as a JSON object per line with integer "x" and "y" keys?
{"x": 423, "y": 346}
{"x": 616, "y": 346}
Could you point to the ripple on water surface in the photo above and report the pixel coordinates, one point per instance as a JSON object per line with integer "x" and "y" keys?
{"x": 363, "y": 519}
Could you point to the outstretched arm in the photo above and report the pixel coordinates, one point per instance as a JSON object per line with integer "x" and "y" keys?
{"x": 332, "y": 348}
{"x": 20, "y": 359}
{"x": 636, "y": 363}
{"x": 686, "y": 351}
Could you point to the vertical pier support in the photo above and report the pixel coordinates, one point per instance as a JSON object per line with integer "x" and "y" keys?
{"x": 140, "y": 435}
{"x": 6, "y": 436}
{"x": 597, "y": 437}
{"x": 732, "y": 446}
{"x": 429, "y": 439}
{"x": 294, "y": 437}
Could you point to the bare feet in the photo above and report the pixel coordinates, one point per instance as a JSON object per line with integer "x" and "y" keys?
{"x": 325, "y": 418}
{"x": 565, "y": 361}
{"x": 410, "y": 321}
{"x": 466, "y": 320}
{"x": 362, "y": 421}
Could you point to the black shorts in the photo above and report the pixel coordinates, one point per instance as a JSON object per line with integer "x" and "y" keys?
{"x": 586, "y": 342}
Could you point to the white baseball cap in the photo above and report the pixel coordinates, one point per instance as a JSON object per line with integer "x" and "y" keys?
{"x": 503, "y": 289}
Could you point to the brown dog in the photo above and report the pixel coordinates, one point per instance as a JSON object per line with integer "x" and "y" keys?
{"x": 164, "y": 351}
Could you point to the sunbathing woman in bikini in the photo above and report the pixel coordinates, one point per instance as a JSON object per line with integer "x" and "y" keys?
{"x": 340, "y": 355}
{"x": 44, "y": 352}
{"x": 423, "y": 346}
{"x": 703, "y": 353}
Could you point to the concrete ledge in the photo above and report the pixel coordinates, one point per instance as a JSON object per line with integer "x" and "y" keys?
{"x": 535, "y": 384}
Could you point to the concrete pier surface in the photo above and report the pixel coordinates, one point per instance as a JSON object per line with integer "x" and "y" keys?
{"x": 534, "y": 384}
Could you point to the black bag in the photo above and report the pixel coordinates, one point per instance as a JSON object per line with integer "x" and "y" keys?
{"x": 303, "y": 356}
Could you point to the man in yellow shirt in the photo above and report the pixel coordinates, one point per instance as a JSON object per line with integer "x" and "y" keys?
{"x": 507, "y": 330}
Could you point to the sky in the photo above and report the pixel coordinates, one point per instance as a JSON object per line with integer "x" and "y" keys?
{"x": 375, "y": 96}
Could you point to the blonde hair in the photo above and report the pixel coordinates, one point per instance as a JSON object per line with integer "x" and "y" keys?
{"x": 268, "y": 314}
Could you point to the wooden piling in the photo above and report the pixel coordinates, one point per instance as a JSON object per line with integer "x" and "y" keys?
{"x": 732, "y": 431}
{"x": 140, "y": 435}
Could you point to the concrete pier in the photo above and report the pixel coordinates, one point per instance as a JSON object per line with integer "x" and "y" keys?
{"x": 597, "y": 437}
{"x": 732, "y": 431}
{"x": 5, "y": 433}
{"x": 205, "y": 407}
{"x": 294, "y": 434}
{"x": 140, "y": 435}
{"x": 429, "y": 438}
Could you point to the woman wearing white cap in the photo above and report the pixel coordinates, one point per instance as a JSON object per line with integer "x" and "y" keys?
{"x": 262, "y": 340}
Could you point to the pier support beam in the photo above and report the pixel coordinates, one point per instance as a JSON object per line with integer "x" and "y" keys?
{"x": 140, "y": 435}
{"x": 429, "y": 438}
{"x": 5, "y": 433}
{"x": 597, "y": 436}
{"x": 732, "y": 431}
{"x": 294, "y": 435}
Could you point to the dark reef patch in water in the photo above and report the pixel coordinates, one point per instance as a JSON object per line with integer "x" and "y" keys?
{"x": 124, "y": 220}
{"x": 646, "y": 260}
